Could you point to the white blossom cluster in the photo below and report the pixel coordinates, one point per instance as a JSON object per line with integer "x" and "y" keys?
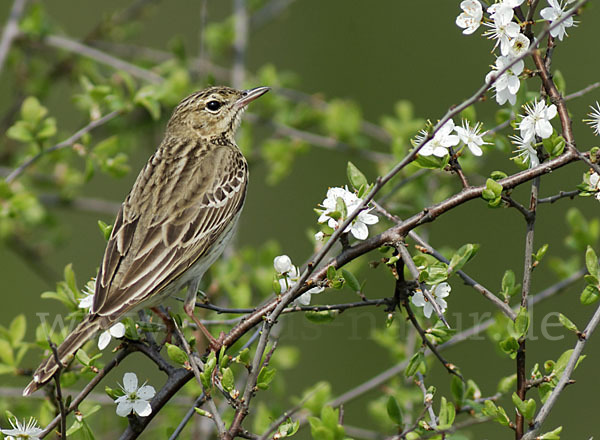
{"x": 450, "y": 135}
{"x": 331, "y": 214}
{"x": 288, "y": 276}
{"x": 504, "y": 28}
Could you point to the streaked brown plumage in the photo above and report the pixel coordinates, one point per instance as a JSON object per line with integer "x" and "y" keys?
{"x": 177, "y": 219}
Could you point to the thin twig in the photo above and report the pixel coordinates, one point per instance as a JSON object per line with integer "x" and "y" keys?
{"x": 78, "y": 48}
{"x": 196, "y": 369}
{"x": 11, "y": 30}
{"x": 565, "y": 378}
{"x": 59, "y": 396}
{"x": 582, "y": 92}
{"x": 427, "y": 400}
{"x": 560, "y": 195}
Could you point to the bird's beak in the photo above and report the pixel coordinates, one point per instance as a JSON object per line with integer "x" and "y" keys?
{"x": 250, "y": 95}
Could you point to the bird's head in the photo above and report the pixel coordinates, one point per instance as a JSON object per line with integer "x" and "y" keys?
{"x": 213, "y": 112}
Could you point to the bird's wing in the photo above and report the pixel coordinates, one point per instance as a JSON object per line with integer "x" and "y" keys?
{"x": 177, "y": 209}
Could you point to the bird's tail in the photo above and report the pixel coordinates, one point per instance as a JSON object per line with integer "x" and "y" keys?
{"x": 73, "y": 342}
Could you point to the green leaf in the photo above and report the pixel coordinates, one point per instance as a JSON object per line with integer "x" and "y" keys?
{"x": 497, "y": 175}
{"x": 288, "y": 428}
{"x": 32, "y": 111}
{"x": 591, "y": 262}
{"x": 21, "y": 131}
{"x": 176, "y": 354}
{"x": 244, "y": 355}
{"x": 228, "y": 380}
{"x": 522, "y": 322}
{"x": 351, "y": 280}
{"x": 105, "y": 229}
{"x": 82, "y": 357}
{"x": 17, "y": 329}
{"x": 457, "y": 387}
{"x": 589, "y": 295}
{"x": 356, "y": 178}
{"x": 6, "y": 353}
{"x": 432, "y": 162}
{"x": 510, "y": 346}
{"x": 507, "y": 383}
{"x": 553, "y": 435}
{"x": 526, "y": 408}
{"x": 414, "y": 364}
{"x": 447, "y": 414}
{"x": 331, "y": 273}
{"x": 540, "y": 253}
{"x": 321, "y": 317}
{"x": 494, "y": 186}
{"x": 394, "y": 412}
{"x": 203, "y": 412}
{"x": 495, "y": 412}
{"x": 462, "y": 256}
{"x": 567, "y": 323}
{"x": 265, "y": 377}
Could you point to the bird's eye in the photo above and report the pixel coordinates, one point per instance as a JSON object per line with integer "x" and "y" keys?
{"x": 213, "y": 106}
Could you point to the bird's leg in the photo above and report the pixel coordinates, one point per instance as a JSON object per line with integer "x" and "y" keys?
{"x": 188, "y": 307}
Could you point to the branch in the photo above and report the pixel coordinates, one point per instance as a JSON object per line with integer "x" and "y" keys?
{"x": 81, "y": 49}
{"x": 11, "y": 30}
{"x": 59, "y": 397}
{"x": 560, "y": 195}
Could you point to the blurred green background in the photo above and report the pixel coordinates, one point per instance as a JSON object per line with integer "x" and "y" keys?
{"x": 374, "y": 53}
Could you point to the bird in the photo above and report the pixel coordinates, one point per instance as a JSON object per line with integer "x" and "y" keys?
{"x": 176, "y": 221}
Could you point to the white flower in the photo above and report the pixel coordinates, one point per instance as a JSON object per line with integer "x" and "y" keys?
{"x": 506, "y": 5}
{"x": 555, "y": 12}
{"x": 442, "y": 140}
{"x": 28, "y": 430}
{"x": 594, "y": 120}
{"x": 135, "y": 399}
{"x": 304, "y": 299}
{"x": 526, "y": 151}
{"x": 116, "y": 331}
{"x": 471, "y": 137}
{"x": 518, "y": 46}
{"x": 594, "y": 184}
{"x": 319, "y": 236}
{"x": 470, "y": 18}
{"x": 87, "y": 300}
{"x": 283, "y": 264}
{"x": 503, "y": 29}
{"x": 506, "y": 85}
{"x": 537, "y": 121}
{"x": 358, "y": 227}
{"x": 438, "y": 292}
{"x": 289, "y": 278}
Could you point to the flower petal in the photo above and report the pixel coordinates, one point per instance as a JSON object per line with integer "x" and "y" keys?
{"x": 142, "y": 408}
{"x": 117, "y": 330}
{"x": 130, "y": 382}
{"x": 146, "y": 392}
{"x": 103, "y": 340}
{"x": 124, "y": 408}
